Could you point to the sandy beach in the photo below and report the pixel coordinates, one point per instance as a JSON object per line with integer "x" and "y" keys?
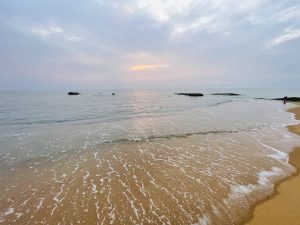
{"x": 284, "y": 206}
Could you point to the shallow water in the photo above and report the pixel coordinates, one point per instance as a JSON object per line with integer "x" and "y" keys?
{"x": 141, "y": 157}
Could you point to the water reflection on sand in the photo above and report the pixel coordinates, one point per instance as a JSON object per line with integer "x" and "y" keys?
{"x": 212, "y": 178}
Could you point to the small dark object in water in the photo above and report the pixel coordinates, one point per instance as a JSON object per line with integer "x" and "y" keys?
{"x": 226, "y": 94}
{"x": 113, "y": 94}
{"x": 288, "y": 99}
{"x": 261, "y": 99}
{"x": 73, "y": 93}
{"x": 190, "y": 94}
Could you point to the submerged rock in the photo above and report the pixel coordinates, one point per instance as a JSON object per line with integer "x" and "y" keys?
{"x": 289, "y": 99}
{"x": 73, "y": 93}
{"x": 113, "y": 94}
{"x": 226, "y": 94}
{"x": 190, "y": 94}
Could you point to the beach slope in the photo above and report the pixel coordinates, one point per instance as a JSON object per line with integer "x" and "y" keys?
{"x": 284, "y": 207}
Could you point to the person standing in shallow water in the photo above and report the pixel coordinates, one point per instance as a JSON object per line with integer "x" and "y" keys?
{"x": 284, "y": 100}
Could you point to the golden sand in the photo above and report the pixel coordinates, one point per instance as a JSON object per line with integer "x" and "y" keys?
{"x": 189, "y": 180}
{"x": 284, "y": 207}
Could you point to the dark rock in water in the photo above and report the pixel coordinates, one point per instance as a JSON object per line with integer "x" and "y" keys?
{"x": 113, "y": 94}
{"x": 73, "y": 93}
{"x": 226, "y": 94}
{"x": 289, "y": 99}
{"x": 190, "y": 94}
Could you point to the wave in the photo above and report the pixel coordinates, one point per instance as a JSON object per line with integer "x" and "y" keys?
{"x": 96, "y": 142}
{"x": 182, "y": 135}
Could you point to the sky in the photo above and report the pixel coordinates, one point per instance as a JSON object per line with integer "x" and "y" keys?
{"x": 96, "y": 44}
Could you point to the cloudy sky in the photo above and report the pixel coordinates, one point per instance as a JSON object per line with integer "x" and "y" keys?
{"x": 58, "y": 44}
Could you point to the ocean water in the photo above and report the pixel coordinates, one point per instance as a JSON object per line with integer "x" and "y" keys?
{"x": 140, "y": 156}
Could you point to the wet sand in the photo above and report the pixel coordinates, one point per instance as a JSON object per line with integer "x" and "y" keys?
{"x": 212, "y": 178}
{"x": 284, "y": 207}
{"x": 198, "y": 179}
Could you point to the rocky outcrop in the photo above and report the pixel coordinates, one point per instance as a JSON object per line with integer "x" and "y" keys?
{"x": 190, "y": 94}
{"x": 73, "y": 93}
{"x": 227, "y": 94}
{"x": 289, "y": 99}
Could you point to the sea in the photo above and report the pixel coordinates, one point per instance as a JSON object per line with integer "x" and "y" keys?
{"x": 141, "y": 156}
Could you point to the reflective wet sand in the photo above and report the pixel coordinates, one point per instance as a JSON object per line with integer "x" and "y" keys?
{"x": 197, "y": 179}
{"x": 287, "y": 194}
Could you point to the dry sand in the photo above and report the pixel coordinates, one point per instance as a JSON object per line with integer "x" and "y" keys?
{"x": 284, "y": 207}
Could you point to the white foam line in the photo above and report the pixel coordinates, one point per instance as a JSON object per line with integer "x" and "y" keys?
{"x": 95, "y": 155}
{"x": 239, "y": 191}
{"x": 131, "y": 200}
{"x": 264, "y": 175}
{"x": 40, "y": 204}
{"x": 25, "y": 202}
{"x": 87, "y": 174}
{"x": 76, "y": 168}
{"x": 278, "y": 155}
{"x": 125, "y": 166}
{"x": 205, "y": 220}
{"x": 18, "y": 215}
{"x": 8, "y": 211}
{"x": 57, "y": 200}
{"x": 293, "y": 115}
{"x": 94, "y": 189}
{"x": 172, "y": 196}
{"x": 97, "y": 210}
{"x": 153, "y": 208}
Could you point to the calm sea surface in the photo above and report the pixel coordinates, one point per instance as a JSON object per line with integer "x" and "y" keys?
{"x": 140, "y": 156}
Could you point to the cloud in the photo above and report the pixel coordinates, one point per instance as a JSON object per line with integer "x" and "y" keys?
{"x": 44, "y": 31}
{"x": 143, "y": 67}
{"x": 208, "y": 24}
{"x": 163, "y": 11}
{"x": 183, "y": 17}
{"x": 183, "y": 42}
{"x": 88, "y": 59}
{"x": 290, "y": 13}
{"x": 288, "y": 35}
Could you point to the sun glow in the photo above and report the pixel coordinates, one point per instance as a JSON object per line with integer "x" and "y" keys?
{"x": 143, "y": 67}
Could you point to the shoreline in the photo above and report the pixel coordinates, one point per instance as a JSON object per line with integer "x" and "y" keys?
{"x": 160, "y": 181}
{"x": 283, "y": 206}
